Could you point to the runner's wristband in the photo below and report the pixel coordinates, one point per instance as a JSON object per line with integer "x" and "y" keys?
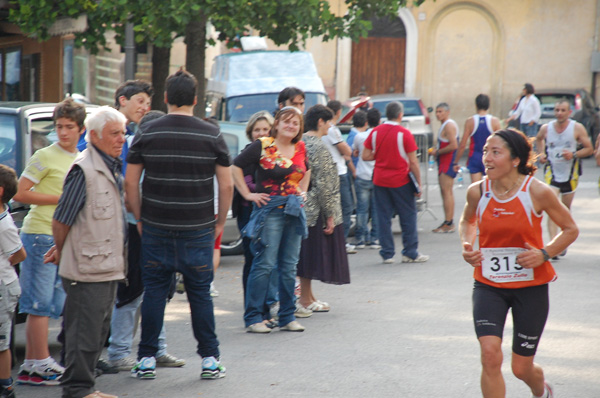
{"x": 545, "y": 254}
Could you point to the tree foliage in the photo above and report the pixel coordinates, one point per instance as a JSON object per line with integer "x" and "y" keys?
{"x": 159, "y": 22}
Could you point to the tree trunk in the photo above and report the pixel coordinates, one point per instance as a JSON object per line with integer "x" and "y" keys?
{"x": 161, "y": 57}
{"x": 195, "y": 40}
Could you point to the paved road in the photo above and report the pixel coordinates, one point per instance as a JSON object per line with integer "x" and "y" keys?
{"x": 400, "y": 330}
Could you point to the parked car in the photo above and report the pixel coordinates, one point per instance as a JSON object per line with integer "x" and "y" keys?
{"x": 25, "y": 127}
{"x": 583, "y": 106}
{"x": 235, "y": 137}
{"x": 416, "y": 116}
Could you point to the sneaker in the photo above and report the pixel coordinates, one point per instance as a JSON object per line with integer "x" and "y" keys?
{"x": 46, "y": 375}
{"x": 23, "y": 377}
{"x": 350, "y": 249}
{"x": 445, "y": 228}
{"x": 212, "y": 369}
{"x": 389, "y": 260}
{"x": 374, "y": 245}
{"x": 293, "y": 326}
{"x": 259, "y": 327}
{"x": 107, "y": 368}
{"x": 548, "y": 393}
{"x": 145, "y": 369}
{"x": 421, "y": 258}
{"x": 213, "y": 292}
{"x": 169, "y": 361}
{"x": 359, "y": 245}
{"x": 124, "y": 363}
{"x": 7, "y": 391}
{"x": 302, "y": 311}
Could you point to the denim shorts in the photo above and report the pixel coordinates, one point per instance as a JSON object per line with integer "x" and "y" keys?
{"x": 42, "y": 294}
{"x": 9, "y": 296}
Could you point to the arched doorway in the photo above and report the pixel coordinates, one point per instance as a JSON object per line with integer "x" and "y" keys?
{"x": 378, "y": 61}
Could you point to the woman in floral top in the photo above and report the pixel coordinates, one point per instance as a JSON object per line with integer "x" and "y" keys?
{"x": 323, "y": 255}
{"x": 278, "y": 222}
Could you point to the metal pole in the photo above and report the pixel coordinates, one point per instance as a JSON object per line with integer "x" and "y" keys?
{"x": 129, "y": 52}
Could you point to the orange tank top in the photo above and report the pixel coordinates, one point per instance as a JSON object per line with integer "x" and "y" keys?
{"x": 504, "y": 227}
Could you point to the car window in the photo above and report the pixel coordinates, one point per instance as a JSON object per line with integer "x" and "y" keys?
{"x": 411, "y": 107}
{"x": 233, "y": 143}
{"x": 43, "y": 133}
{"x": 8, "y": 139}
{"x": 240, "y": 109}
{"x": 550, "y": 99}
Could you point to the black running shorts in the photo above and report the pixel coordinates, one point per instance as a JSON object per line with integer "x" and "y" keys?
{"x": 529, "y": 306}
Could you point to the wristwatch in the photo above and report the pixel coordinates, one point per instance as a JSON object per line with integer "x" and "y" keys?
{"x": 545, "y": 254}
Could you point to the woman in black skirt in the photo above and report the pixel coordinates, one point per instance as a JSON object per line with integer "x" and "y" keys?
{"x": 323, "y": 255}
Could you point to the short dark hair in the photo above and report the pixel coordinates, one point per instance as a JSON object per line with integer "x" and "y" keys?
{"x": 373, "y": 117}
{"x": 529, "y": 88}
{"x": 289, "y": 93}
{"x": 314, "y": 114}
{"x": 181, "y": 88}
{"x": 359, "y": 119}
{"x": 393, "y": 110}
{"x": 334, "y": 105}
{"x": 482, "y": 102}
{"x": 286, "y": 113}
{"x": 71, "y": 110}
{"x": 8, "y": 180}
{"x": 131, "y": 88}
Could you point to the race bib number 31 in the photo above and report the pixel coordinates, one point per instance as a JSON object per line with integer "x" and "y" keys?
{"x": 499, "y": 265}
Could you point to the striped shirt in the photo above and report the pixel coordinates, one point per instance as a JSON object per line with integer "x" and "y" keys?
{"x": 179, "y": 154}
{"x": 74, "y": 195}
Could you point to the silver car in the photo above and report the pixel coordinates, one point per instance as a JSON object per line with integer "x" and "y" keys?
{"x": 416, "y": 116}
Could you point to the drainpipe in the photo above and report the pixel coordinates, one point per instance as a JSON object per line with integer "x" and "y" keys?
{"x": 595, "y": 48}
{"x": 130, "y": 52}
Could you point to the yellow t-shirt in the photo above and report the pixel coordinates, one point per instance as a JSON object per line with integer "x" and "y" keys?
{"x": 47, "y": 169}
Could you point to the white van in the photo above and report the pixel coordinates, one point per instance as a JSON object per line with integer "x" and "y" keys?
{"x": 244, "y": 83}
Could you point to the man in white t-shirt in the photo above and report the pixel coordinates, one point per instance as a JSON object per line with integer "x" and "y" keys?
{"x": 365, "y": 198}
{"x": 341, "y": 153}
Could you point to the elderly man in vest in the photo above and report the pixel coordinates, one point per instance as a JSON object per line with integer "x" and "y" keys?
{"x": 89, "y": 233}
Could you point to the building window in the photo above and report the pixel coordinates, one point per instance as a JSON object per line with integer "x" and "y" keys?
{"x": 10, "y": 74}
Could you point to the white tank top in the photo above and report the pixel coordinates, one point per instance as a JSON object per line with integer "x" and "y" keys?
{"x": 555, "y": 144}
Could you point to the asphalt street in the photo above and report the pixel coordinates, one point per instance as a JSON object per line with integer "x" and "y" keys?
{"x": 399, "y": 330}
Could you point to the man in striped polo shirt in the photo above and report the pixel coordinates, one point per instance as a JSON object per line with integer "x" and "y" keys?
{"x": 180, "y": 155}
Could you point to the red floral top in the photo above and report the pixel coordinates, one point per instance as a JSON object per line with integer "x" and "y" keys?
{"x": 276, "y": 174}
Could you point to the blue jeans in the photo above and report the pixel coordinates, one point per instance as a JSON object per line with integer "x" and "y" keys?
{"x": 347, "y": 201}
{"x": 530, "y": 131}
{"x": 282, "y": 250}
{"x": 122, "y": 328}
{"x": 365, "y": 207}
{"x": 242, "y": 219}
{"x": 165, "y": 252}
{"x": 402, "y": 200}
{"x": 42, "y": 290}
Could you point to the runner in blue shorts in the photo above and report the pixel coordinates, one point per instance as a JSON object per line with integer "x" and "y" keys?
{"x": 477, "y": 128}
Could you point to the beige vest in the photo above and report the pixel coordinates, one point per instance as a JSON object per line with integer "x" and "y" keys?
{"x": 94, "y": 247}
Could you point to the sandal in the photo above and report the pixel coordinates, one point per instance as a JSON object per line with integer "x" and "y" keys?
{"x": 319, "y": 306}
